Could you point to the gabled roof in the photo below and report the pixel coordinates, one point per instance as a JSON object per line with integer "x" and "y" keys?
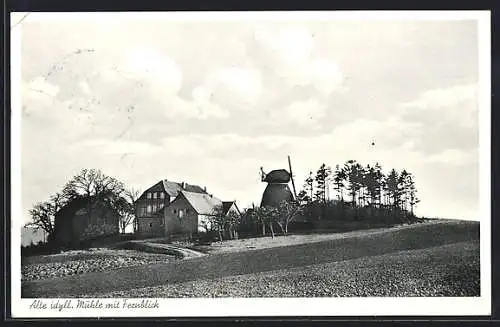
{"x": 173, "y": 188}
{"x": 202, "y": 203}
{"x": 226, "y": 205}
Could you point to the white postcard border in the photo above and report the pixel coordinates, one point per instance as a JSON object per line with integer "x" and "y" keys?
{"x": 20, "y": 308}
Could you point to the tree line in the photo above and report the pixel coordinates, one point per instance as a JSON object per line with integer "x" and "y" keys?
{"x": 358, "y": 186}
{"x": 363, "y": 194}
{"x": 359, "y": 193}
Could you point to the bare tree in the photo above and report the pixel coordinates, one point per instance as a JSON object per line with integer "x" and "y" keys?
{"x": 92, "y": 182}
{"x": 218, "y": 220}
{"x": 266, "y": 216}
{"x": 225, "y": 223}
{"x": 263, "y": 216}
{"x": 233, "y": 220}
{"x": 128, "y": 216}
{"x": 125, "y": 206}
{"x": 285, "y": 214}
{"x": 43, "y": 214}
{"x": 94, "y": 186}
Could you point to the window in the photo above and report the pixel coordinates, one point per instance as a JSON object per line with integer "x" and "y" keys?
{"x": 149, "y": 195}
{"x": 150, "y": 209}
{"x": 154, "y": 207}
{"x": 150, "y": 224}
{"x": 162, "y": 195}
{"x": 155, "y": 195}
{"x": 187, "y": 210}
{"x": 181, "y": 213}
{"x": 175, "y": 211}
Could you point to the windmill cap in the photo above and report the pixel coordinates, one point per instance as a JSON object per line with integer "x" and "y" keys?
{"x": 278, "y": 176}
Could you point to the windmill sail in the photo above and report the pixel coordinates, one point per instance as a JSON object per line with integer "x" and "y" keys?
{"x": 291, "y": 177}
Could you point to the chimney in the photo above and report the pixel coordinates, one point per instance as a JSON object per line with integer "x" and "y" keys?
{"x": 183, "y": 185}
{"x": 204, "y": 188}
{"x": 211, "y": 195}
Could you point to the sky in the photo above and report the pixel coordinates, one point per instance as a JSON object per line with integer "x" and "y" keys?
{"x": 209, "y": 102}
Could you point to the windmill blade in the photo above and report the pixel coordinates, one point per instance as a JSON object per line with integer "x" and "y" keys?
{"x": 291, "y": 177}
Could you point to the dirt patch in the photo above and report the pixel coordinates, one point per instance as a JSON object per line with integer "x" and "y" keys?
{"x": 78, "y": 262}
{"x": 263, "y": 261}
{"x": 450, "y": 270}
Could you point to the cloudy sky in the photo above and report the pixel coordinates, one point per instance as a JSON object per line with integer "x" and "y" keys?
{"x": 209, "y": 102}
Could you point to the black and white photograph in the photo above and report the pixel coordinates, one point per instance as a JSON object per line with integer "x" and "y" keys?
{"x": 250, "y": 163}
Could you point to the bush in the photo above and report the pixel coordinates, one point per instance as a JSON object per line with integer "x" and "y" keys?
{"x": 205, "y": 238}
{"x": 39, "y": 249}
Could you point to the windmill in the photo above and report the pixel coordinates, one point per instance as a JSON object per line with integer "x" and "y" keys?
{"x": 277, "y": 189}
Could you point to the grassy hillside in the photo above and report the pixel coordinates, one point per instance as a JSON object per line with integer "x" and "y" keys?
{"x": 283, "y": 259}
{"x": 448, "y": 270}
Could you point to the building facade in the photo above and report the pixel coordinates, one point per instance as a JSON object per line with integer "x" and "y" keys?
{"x": 191, "y": 212}
{"x": 169, "y": 208}
{"x": 150, "y": 206}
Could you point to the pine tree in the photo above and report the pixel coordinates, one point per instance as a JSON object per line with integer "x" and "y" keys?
{"x": 303, "y": 197}
{"x": 353, "y": 172}
{"x": 322, "y": 177}
{"x": 339, "y": 179}
{"x": 379, "y": 181}
{"x": 309, "y": 186}
{"x": 403, "y": 190}
{"x": 370, "y": 184}
{"x": 392, "y": 187}
{"x": 412, "y": 193}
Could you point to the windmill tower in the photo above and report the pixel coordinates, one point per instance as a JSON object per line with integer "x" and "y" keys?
{"x": 277, "y": 189}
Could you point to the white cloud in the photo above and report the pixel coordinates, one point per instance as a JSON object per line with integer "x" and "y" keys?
{"x": 288, "y": 45}
{"x": 40, "y": 85}
{"x": 161, "y": 74}
{"x": 302, "y": 113}
{"x": 237, "y": 87}
{"x": 444, "y": 97}
{"x": 325, "y": 76}
{"x": 85, "y": 87}
{"x": 38, "y": 95}
{"x": 350, "y": 141}
{"x": 454, "y": 157}
{"x": 119, "y": 147}
{"x": 456, "y": 104}
{"x": 199, "y": 108}
{"x": 289, "y": 52}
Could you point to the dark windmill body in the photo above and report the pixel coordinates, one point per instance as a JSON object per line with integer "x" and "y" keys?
{"x": 277, "y": 189}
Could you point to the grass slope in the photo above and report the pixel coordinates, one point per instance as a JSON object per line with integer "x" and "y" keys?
{"x": 256, "y": 261}
{"x": 449, "y": 270}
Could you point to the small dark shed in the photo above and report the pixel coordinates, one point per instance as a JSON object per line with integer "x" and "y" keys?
{"x": 84, "y": 219}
